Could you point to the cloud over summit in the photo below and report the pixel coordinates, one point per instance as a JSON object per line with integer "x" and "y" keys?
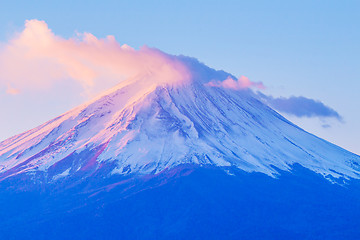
{"x": 36, "y": 58}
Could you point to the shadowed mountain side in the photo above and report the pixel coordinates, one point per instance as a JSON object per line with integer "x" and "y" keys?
{"x": 187, "y": 202}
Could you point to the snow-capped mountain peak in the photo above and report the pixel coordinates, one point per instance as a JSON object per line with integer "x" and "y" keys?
{"x": 145, "y": 126}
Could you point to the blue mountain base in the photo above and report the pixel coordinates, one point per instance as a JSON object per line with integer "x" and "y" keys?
{"x": 186, "y": 202}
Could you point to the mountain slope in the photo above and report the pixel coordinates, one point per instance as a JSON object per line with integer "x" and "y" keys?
{"x": 143, "y": 126}
{"x": 153, "y": 159}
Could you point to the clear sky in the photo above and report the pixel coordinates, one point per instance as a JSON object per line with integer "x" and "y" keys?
{"x": 295, "y": 48}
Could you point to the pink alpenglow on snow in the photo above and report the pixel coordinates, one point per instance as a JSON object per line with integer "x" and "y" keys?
{"x": 242, "y": 83}
{"x": 36, "y": 58}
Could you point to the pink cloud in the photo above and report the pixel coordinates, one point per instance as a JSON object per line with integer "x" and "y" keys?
{"x": 36, "y": 58}
{"x": 242, "y": 83}
{"x": 12, "y": 91}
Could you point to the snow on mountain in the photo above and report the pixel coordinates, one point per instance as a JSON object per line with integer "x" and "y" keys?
{"x": 145, "y": 126}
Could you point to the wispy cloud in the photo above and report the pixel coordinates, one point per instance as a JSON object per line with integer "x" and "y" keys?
{"x": 37, "y": 58}
{"x": 241, "y": 83}
{"x": 12, "y": 91}
{"x": 301, "y": 106}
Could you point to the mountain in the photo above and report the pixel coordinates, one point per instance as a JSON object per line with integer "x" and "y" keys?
{"x": 162, "y": 159}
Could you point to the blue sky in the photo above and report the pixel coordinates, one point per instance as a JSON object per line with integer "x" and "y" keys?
{"x": 296, "y": 48}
